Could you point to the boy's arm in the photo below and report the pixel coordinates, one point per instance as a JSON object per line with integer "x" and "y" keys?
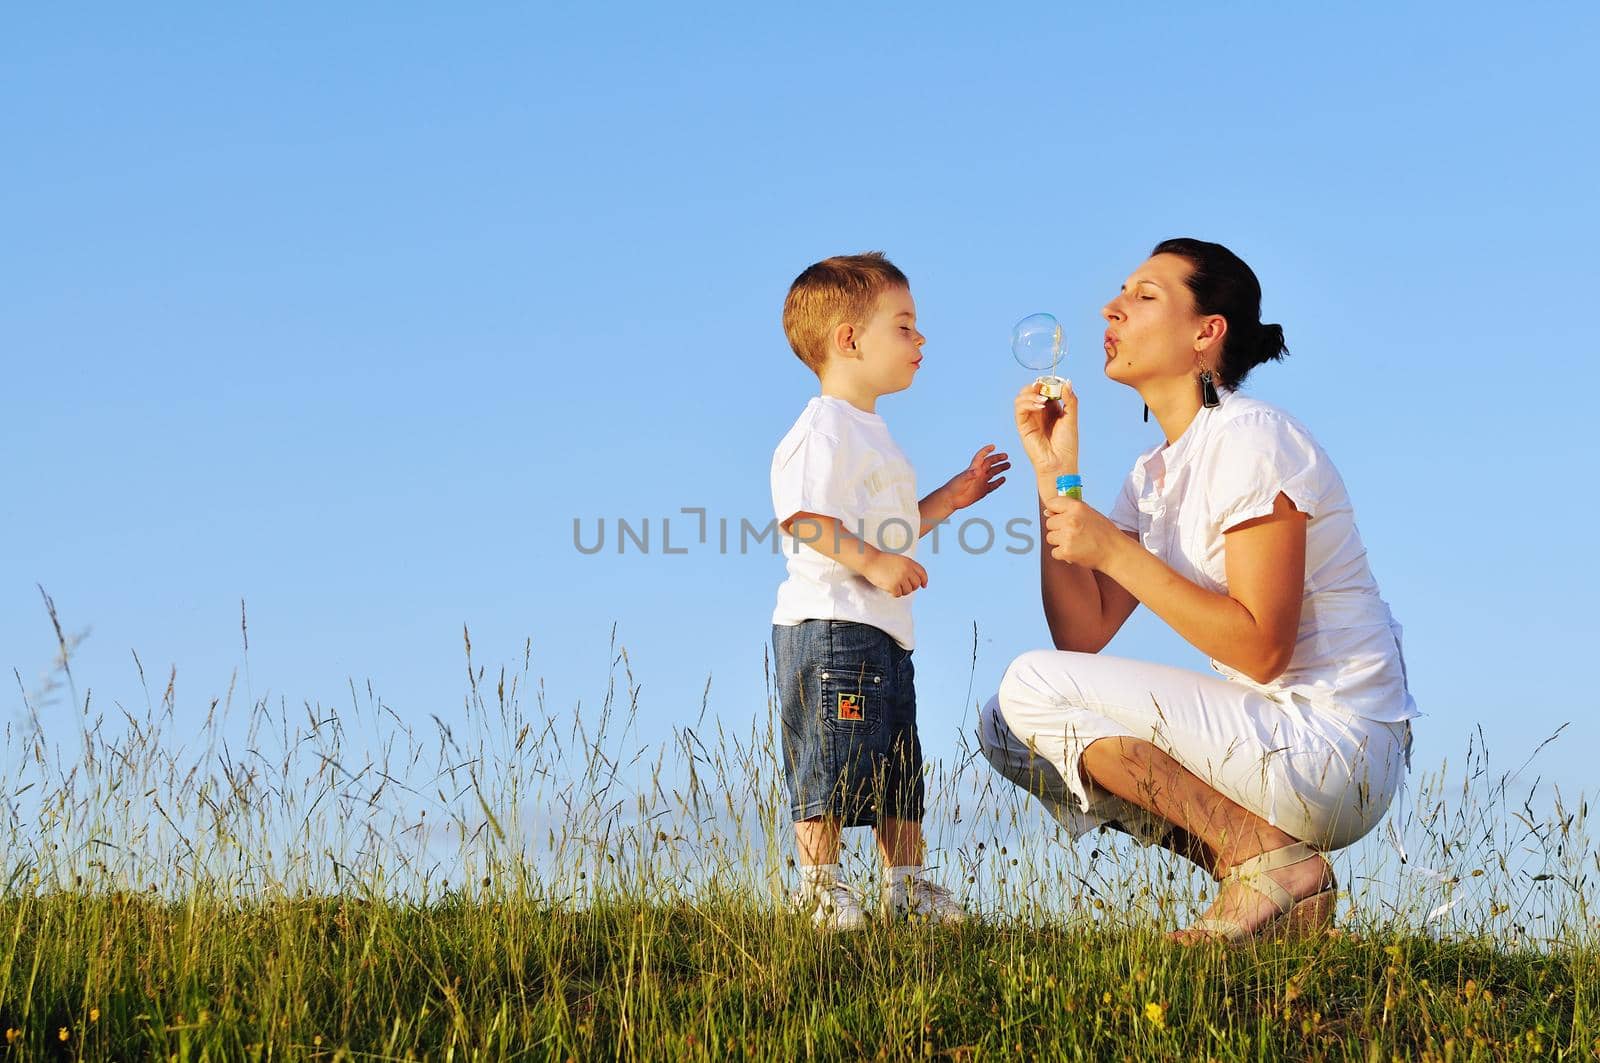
{"x": 964, "y": 488}
{"x": 894, "y": 573}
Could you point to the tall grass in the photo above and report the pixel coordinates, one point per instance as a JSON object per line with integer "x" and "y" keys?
{"x": 527, "y": 880}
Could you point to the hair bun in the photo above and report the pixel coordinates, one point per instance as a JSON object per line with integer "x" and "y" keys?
{"x": 1222, "y": 284}
{"x": 1269, "y": 344}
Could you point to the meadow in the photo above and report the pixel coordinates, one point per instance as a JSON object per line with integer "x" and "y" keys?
{"x": 531, "y": 881}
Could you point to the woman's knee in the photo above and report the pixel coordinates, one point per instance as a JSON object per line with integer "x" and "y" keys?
{"x": 1010, "y": 755}
{"x": 994, "y": 734}
{"x": 1027, "y": 678}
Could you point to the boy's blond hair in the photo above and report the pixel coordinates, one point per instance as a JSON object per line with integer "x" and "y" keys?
{"x": 841, "y": 289}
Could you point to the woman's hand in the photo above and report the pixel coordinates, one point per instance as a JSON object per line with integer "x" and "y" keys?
{"x": 1078, "y": 533}
{"x": 1049, "y": 431}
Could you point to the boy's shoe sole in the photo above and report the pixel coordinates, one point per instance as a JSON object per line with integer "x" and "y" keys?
{"x": 828, "y": 917}
{"x": 941, "y": 908}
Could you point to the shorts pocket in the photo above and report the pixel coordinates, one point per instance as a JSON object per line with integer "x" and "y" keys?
{"x": 852, "y": 699}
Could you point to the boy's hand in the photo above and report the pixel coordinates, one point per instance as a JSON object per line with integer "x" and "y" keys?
{"x": 895, "y": 573}
{"x": 978, "y": 479}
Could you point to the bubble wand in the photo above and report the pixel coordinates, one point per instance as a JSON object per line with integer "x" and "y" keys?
{"x": 1036, "y": 342}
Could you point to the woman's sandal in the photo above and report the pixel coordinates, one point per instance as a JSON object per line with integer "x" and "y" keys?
{"x": 1295, "y": 919}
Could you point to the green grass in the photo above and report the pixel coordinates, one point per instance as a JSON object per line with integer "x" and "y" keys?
{"x": 298, "y": 882}
{"x": 504, "y": 977}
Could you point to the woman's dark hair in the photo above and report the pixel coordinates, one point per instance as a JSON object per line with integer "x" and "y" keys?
{"x": 1222, "y": 284}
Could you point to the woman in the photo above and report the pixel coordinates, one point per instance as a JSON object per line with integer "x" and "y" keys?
{"x": 1237, "y": 531}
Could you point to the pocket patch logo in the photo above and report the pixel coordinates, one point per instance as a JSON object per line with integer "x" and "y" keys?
{"x": 852, "y": 707}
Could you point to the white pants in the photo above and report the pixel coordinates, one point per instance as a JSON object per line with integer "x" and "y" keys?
{"x": 1319, "y": 776}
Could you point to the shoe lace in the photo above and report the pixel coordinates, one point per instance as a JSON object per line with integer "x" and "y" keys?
{"x": 834, "y": 894}
{"x": 925, "y": 891}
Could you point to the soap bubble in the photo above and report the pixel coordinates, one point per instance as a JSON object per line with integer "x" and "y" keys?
{"x": 1037, "y": 343}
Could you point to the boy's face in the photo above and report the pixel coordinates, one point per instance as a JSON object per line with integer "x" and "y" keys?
{"x": 888, "y": 347}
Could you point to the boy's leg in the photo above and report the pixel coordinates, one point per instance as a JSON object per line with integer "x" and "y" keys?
{"x": 800, "y": 651}
{"x": 899, "y": 826}
{"x": 832, "y": 904}
{"x": 899, "y": 841}
{"x": 817, "y": 840}
{"x": 906, "y": 891}
{"x": 804, "y": 658}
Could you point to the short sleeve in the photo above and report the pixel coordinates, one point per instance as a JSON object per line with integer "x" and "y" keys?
{"x": 1125, "y": 510}
{"x": 1259, "y": 456}
{"x": 806, "y": 478}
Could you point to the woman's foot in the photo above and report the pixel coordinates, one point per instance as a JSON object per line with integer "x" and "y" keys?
{"x": 1287, "y": 892}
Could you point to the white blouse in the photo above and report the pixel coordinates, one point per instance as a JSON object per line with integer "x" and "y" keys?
{"x": 1228, "y": 468}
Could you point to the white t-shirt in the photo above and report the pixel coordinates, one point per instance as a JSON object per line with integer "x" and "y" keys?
{"x": 838, "y": 461}
{"x": 1228, "y": 468}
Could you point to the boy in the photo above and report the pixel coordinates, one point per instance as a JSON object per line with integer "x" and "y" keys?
{"x": 846, "y": 500}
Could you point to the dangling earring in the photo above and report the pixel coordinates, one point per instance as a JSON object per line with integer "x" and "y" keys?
{"x": 1208, "y": 391}
{"x": 1147, "y": 415}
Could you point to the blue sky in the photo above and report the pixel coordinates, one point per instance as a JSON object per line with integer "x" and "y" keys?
{"x": 351, "y": 312}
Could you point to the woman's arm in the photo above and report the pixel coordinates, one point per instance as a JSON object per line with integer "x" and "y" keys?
{"x": 1083, "y": 608}
{"x": 1252, "y": 628}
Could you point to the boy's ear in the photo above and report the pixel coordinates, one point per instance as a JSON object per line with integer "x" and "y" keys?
{"x": 844, "y": 338}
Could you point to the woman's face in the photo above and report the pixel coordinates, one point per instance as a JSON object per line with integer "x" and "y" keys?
{"x": 1152, "y": 327}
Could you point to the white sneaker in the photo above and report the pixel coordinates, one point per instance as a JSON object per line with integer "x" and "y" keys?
{"x": 915, "y": 898}
{"x": 833, "y": 905}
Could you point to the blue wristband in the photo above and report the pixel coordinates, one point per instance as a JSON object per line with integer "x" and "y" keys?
{"x": 1070, "y": 485}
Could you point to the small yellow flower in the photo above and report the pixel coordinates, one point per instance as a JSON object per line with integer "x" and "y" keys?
{"x": 1157, "y": 1014}
{"x": 12, "y": 1033}
{"x": 94, "y": 1014}
{"x": 62, "y": 1034}
{"x": 1105, "y": 998}
{"x": 317, "y": 1040}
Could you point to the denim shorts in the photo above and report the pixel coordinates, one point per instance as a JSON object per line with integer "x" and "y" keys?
{"x": 849, "y": 715}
